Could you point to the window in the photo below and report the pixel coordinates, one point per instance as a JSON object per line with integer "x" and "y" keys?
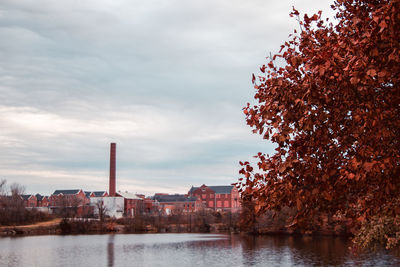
{"x": 219, "y": 203}
{"x": 226, "y": 204}
{"x": 211, "y": 203}
{"x": 211, "y": 195}
{"x": 203, "y": 196}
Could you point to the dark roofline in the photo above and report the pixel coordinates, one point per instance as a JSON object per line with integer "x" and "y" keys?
{"x": 67, "y": 192}
{"x": 173, "y": 198}
{"x": 26, "y": 197}
{"x": 218, "y": 189}
{"x": 99, "y": 193}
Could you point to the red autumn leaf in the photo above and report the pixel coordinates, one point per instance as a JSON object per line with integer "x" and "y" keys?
{"x": 299, "y": 205}
{"x": 295, "y": 12}
{"x": 371, "y": 72}
{"x": 382, "y": 25}
{"x": 368, "y": 166}
{"x": 333, "y": 113}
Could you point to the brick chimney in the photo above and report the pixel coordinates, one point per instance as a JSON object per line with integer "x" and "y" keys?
{"x": 112, "y": 170}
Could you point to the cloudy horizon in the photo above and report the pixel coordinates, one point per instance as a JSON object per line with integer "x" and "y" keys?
{"x": 165, "y": 80}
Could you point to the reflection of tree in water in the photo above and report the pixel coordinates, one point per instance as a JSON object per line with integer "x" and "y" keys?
{"x": 110, "y": 251}
{"x": 217, "y": 243}
{"x": 249, "y": 250}
{"x": 294, "y": 250}
{"x": 319, "y": 250}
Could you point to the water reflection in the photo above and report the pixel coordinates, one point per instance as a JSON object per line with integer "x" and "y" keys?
{"x": 185, "y": 250}
{"x": 295, "y": 250}
{"x": 110, "y": 251}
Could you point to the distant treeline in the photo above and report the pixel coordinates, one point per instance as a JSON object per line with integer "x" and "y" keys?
{"x": 12, "y": 208}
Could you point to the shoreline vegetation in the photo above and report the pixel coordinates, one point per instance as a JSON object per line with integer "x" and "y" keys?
{"x": 199, "y": 222}
{"x": 18, "y": 220}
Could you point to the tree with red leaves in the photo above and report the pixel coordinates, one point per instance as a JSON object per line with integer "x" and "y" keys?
{"x": 333, "y": 110}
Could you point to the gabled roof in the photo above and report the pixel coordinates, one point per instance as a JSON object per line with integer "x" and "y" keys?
{"x": 218, "y": 189}
{"x": 26, "y": 197}
{"x": 99, "y": 193}
{"x": 222, "y": 189}
{"x": 192, "y": 189}
{"x": 174, "y": 198}
{"x": 67, "y": 192}
{"x": 128, "y": 195}
{"x": 39, "y": 197}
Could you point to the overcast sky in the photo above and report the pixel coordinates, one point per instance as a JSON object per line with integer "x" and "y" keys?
{"x": 166, "y": 80}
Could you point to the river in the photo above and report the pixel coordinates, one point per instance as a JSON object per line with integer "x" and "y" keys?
{"x": 184, "y": 250}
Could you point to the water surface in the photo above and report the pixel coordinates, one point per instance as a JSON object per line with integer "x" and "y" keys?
{"x": 185, "y": 250}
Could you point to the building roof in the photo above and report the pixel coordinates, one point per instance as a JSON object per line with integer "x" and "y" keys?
{"x": 99, "y": 193}
{"x": 39, "y": 197}
{"x": 128, "y": 195}
{"x": 26, "y": 197}
{"x": 174, "y": 198}
{"x": 218, "y": 189}
{"x": 67, "y": 192}
{"x": 96, "y": 193}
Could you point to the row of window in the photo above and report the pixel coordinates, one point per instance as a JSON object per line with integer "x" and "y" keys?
{"x": 204, "y": 196}
{"x": 220, "y": 204}
{"x": 190, "y": 205}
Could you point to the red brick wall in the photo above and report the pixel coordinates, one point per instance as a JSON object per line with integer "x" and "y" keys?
{"x": 45, "y": 202}
{"x": 31, "y": 202}
{"x": 184, "y": 206}
{"x": 206, "y": 196}
{"x": 56, "y": 200}
{"x": 214, "y": 201}
{"x": 112, "y": 170}
{"x": 133, "y": 206}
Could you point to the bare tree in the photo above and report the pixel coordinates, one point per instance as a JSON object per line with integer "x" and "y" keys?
{"x": 12, "y": 206}
{"x": 17, "y": 189}
{"x": 68, "y": 206}
{"x": 102, "y": 212}
{"x": 102, "y": 209}
{"x": 3, "y": 187}
{"x": 3, "y": 200}
{"x": 2, "y": 193}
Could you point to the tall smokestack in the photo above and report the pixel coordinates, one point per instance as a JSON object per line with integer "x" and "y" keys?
{"x": 112, "y": 170}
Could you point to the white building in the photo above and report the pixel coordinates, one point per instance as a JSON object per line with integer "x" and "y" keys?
{"x": 113, "y": 206}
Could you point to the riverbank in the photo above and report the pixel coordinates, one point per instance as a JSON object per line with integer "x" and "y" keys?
{"x": 59, "y": 226}
{"x": 41, "y": 228}
{"x": 266, "y": 225}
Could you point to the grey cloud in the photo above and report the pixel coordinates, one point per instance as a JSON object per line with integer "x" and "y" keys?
{"x": 166, "y": 80}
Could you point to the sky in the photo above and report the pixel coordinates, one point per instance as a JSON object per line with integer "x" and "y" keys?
{"x": 166, "y": 80}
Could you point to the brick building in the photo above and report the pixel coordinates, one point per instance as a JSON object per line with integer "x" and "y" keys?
{"x": 42, "y": 201}
{"x": 70, "y": 197}
{"x": 220, "y": 197}
{"x": 133, "y": 204}
{"x": 90, "y": 194}
{"x": 74, "y": 200}
{"x": 177, "y": 203}
{"x": 29, "y": 200}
